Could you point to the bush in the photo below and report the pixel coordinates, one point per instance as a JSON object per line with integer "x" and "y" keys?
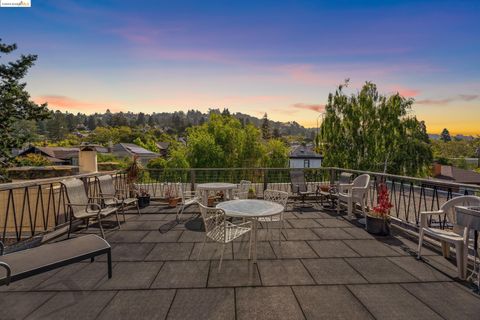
{"x": 32, "y": 160}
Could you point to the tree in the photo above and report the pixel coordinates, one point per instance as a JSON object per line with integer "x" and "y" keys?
{"x": 445, "y": 135}
{"x": 276, "y": 155}
{"x": 370, "y": 131}
{"x": 265, "y": 127}
{"x": 15, "y": 103}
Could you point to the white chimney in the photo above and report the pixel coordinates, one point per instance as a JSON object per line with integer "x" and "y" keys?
{"x": 87, "y": 159}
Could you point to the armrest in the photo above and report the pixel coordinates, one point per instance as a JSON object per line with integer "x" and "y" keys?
{"x": 424, "y": 215}
{"x": 85, "y": 205}
{"x": 9, "y": 271}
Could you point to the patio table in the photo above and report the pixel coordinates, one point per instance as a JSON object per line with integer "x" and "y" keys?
{"x": 205, "y": 188}
{"x": 469, "y": 217}
{"x": 251, "y": 209}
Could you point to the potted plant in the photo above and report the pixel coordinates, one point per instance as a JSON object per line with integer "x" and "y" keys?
{"x": 171, "y": 195}
{"x": 378, "y": 219}
{"x": 143, "y": 198}
{"x": 251, "y": 194}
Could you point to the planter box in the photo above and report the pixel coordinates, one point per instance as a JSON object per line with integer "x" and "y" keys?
{"x": 143, "y": 201}
{"x": 378, "y": 226}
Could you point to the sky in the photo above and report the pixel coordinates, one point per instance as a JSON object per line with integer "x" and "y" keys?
{"x": 278, "y": 57}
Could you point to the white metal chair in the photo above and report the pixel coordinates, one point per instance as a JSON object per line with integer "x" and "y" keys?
{"x": 188, "y": 198}
{"x": 219, "y": 229}
{"x": 112, "y": 196}
{"x": 82, "y": 207}
{"x": 455, "y": 236}
{"x": 280, "y": 197}
{"x": 242, "y": 191}
{"x": 352, "y": 193}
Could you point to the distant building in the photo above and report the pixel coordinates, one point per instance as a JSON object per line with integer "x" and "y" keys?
{"x": 304, "y": 157}
{"x": 122, "y": 150}
{"x": 163, "y": 147}
{"x": 56, "y": 155}
{"x": 455, "y": 174}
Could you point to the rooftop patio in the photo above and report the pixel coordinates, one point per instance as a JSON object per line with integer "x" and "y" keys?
{"x": 326, "y": 267}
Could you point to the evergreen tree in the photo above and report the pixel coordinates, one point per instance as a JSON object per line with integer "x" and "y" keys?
{"x": 445, "y": 135}
{"x": 15, "y": 103}
{"x": 265, "y": 127}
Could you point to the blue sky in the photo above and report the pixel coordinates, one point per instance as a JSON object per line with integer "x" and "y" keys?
{"x": 279, "y": 57}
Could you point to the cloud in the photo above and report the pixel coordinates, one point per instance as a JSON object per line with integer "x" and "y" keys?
{"x": 406, "y": 92}
{"x": 69, "y": 104}
{"x": 313, "y": 107}
{"x": 460, "y": 97}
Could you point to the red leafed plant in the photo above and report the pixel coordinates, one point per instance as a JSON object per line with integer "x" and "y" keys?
{"x": 382, "y": 209}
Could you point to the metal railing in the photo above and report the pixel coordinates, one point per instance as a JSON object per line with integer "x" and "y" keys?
{"x": 37, "y": 207}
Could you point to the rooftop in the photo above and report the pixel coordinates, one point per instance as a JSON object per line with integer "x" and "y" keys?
{"x": 326, "y": 267}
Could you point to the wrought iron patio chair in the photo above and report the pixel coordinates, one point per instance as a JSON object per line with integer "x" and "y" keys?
{"x": 242, "y": 191}
{"x": 280, "y": 197}
{"x": 455, "y": 236}
{"x": 112, "y": 196}
{"x": 220, "y": 230}
{"x": 83, "y": 207}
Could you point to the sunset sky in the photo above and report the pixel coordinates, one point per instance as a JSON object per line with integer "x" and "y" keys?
{"x": 279, "y": 57}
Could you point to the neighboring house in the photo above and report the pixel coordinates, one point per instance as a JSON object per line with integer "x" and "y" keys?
{"x": 455, "y": 174}
{"x": 122, "y": 150}
{"x": 163, "y": 147}
{"x": 56, "y": 155}
{"x": 304, "y": 157}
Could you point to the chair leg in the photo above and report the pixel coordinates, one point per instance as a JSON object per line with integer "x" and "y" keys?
{"x": 221, "y": 257}
{"x": 123, "y": 213}
{"x": 461, "y": 266}
{"x": 118, "y": 220}
{"x": 350, "y": 207}
{"x": 138, "y": 208}
{"x": 101, "y": 228}
{"x": 201, "y": 248}
{"x": 420, "y": 243}
{"x": 445, "y": 249}
{"x": 280, "y": 231}
{"x": 250, "y": 245}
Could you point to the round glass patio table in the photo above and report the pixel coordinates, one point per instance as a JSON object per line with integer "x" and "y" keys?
{"x": 251, "y": 209}
{"x": 205, "y": 188}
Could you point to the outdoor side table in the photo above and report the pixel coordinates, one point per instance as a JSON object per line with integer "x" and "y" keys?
{"x": 205, "y": 188}
{"x": 251, "y": 209}
{"x": 469, "y": 217}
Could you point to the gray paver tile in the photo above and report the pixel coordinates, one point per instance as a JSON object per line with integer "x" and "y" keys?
{"x": 131, "y": 275}
{"x": 203, "y": 304}
{"x": 129, "y": 251}
{"x": 27, "y": 284}
{"x": 334, "y": 223}
{"x": 157, "y": 236}
{"x": 267, "y": 303}
{"x": 304, "y": 223}
{"x": 234, "y": 273}
{"x": 371, "y": 248}
{"x": 332, "y": 249}
{"x": 330, "y": 302}
{"x": 264, "y": 250}
{"x": 283, "y": 272}
{"x": 126, "y": 236}
{"x": 182, "y": 274}
{"x": 17, "y": 305}
{"x": 391, "y": 301}
{"x": 299, "y": 234}
{"x": 142, "y": 225}
{"x": 211, "y": 251}
{"x": 380, "y": 270}
{"x": 293, "y": 249}
{"x": 170, "y": 251}
{"x": 419, "y": 269}
{"x": 459, "y": 303}
{"x": 332, "y": 233}
{"x": 332, "y": 271}
{"x": 192, "y": 236}
{"x": 139, "y": 304}
{"x": 73, "y": 305}
{"x": 444, "y": 265}
{"x": 359, "y": 233}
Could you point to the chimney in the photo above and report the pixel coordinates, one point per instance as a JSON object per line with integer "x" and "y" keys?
{"x": 437, "y": 170}
{"x": 87, "y": 159}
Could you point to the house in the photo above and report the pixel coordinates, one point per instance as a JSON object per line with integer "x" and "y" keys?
{"x": 56, "y": 155}
{"x": 455, "y": 174}
{"x": 163, "y": 147}
{"x": 130, "y": 150}
{"x": 304, "y": 157}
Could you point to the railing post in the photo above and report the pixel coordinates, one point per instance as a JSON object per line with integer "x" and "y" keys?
{"x": 192, "y": 179}
{"x": 265, "y": 179}
{"x": 332, "y": 176}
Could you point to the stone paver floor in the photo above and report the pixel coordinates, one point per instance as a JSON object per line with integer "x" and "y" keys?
{"x": 326, "y": 267}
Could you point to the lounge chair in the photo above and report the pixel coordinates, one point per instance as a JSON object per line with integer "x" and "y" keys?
{"x": 82, "y": 207}
{"x": 355, "y": 192}
{"x": 112, "y": 196}
{"x": 299, "y": 186}
{"x": 26, "y": 263}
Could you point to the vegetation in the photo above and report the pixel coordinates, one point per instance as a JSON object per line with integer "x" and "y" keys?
{"x": 370, "y": 131}
{"x": 445, "y": 135}
{"x": 15, "y": 104}
{"x": 32, "y": 160}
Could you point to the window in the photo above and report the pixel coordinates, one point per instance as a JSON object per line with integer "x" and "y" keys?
{"x": 306, "y": 163}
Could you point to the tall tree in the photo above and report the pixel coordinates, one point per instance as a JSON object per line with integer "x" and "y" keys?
{"x": 15, "y": 103}
{"x": 370, "y": 131}
{"x": 445, "y": 135}
{"x": 266, "y": 127}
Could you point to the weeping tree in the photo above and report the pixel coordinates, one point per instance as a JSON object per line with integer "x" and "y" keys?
{"x": 375, "y": 132}
{"x": 15, "y": 103}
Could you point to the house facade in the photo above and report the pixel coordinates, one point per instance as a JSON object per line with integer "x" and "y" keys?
{"x": 304, "y": 157}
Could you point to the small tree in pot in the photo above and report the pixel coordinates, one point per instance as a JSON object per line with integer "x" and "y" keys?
{"x": 378, "y": 219}
{"x": 172, "y": 195}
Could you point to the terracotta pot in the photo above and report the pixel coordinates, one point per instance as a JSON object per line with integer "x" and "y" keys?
{"x": 211, "y": 201}
{"x": 325, "y": 188}
{"x": 377, "y": 225}
{"x": 172, "y": 202}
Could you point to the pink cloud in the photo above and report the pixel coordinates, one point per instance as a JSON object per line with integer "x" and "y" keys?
{"x": 313, "y": 107}
{"x": 406, "y": 92}
{"x": 68, "y": 104}
{"x": 460, "y": 97}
